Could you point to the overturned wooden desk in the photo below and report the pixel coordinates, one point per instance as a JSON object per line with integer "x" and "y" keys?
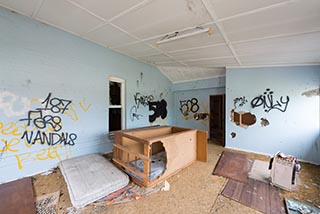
{"x": 151, "y": 155}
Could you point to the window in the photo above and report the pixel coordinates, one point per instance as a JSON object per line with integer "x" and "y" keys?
{"x": 116, "y": 104}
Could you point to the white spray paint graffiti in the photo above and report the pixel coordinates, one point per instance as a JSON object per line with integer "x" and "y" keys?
{"x": 13, "y": 105}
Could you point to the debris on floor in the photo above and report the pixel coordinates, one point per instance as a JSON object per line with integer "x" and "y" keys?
{"x": 46, "y": 173}
{"x": 284, "y": 169}
{"x": 260, "y": 171}
{"x": 47, "y": 204}
{"x": 296, "y": 207}
{"x": 166, "y": 186}
{"x": 73, "y": 210}
{"x": 131, "y": 192}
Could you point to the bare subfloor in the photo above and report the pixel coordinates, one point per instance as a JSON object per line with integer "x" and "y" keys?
{"x": 193, "y": 190}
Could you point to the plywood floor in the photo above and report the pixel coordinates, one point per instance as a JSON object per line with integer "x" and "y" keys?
{"x": 193, "y": 190}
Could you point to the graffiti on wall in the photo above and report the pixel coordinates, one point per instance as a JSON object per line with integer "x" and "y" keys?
{"x": 158, "y": 108}
{"x": 239, "y": 102}
{"x": 134, "y": 113}
{"x": 143, "y": 100}
{"x": 188, "y": 106}
{"x": 42, "y": 125}
{"x": 140, "y": 100}
{"x": 11, "y": 145}
{"x": 47, "y": 118}
{"x": 190, "y": 110}
{"x": 266, "y": 101}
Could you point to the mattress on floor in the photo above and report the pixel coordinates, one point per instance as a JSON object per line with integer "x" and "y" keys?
{"x": 90, "y": 178}
{"x": 158, "y": 165}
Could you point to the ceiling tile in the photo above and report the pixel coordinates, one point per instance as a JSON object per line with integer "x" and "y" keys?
{"x": 207, "y": 63}
{"x": 163, "y": 16}
{"x": 23, "y": 7}
{"x": 285, "y": 58}
{"x": 109, "y": 36}
{"x": 288, "y": 19}
{"x": 303, "y": 42}
{"x": 199, "y": 40}
{"x": 169, "y": 63}
{"x": 179, "y": 73}
{"x": 209, "y": 52}
{"x": 67, "y": 16}
{"x": 137, "y": 50}
{"x": 107, "y": 9}
{"x": 226, "y": 8}
{"x": 156, "y": 58}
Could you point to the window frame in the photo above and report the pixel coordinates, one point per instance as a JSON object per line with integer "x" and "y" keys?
{"x": 122, "y": 100}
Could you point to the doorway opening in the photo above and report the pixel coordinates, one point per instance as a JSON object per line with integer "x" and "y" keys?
{"x": 217, "y": 119}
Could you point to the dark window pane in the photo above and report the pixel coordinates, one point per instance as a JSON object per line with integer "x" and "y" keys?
{"x": 114, "y": 119}
{"x": 115, "y": 93}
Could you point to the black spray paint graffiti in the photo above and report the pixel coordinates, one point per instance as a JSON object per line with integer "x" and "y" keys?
{"x": 142, "y": 99}
{"x": 266, "y": 100}
{"x": 139, "y": 100}
{"x": 134, "y": 114}
{"x": 40, "y": 120}
{"x": 189, "y": 105}
{"x": 239, "y": 101}
{"x": 159, "y": 109}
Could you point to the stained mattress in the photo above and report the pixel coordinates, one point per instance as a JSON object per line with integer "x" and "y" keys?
{"x": 90, "y": 178}
{"x": 158, "y": 165}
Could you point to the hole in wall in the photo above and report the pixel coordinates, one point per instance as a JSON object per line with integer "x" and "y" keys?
{"x": 243, "y": 119}
{"x": 311, "y": 93}
{"x": 233, "y": 134}
{"x": 264, "y": 122}
{"x": 200, "y": 116}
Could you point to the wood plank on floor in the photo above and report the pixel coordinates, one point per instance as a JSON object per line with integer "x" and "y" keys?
{"x": 247, "y": 193}
{"x": 232, "y": 165}
{"x": 275, "y": 201}
{"x": 255, "y": 194}
{"x": 261, "y": 197}
{"x": 17, "y": 197}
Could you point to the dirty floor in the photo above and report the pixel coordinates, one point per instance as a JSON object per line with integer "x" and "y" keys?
{"x": 193, "y": 190}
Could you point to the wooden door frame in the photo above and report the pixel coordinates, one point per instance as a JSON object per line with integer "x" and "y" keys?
{"x": 224, "y": 111}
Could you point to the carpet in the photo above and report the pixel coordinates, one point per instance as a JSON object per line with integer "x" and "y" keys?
{"x": 255, "y": 194}
{"x": 48, "y": 204}
{"x": 232, "y": 165}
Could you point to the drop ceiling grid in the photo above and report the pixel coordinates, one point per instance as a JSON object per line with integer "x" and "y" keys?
{"x": 23, "y": 7}
{"x": 224, "y": 16}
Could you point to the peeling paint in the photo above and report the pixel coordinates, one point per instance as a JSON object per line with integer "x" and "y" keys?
{"x": 312, "y": 93}
{"x": 243, "y": 119}
{"x": 264, "y": 122}
{"x": 200, "y": 116}
{"x": 13, "y": 105}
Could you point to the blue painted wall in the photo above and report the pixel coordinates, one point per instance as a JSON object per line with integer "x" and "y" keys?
{"x": 294, "y": 131}
{"x": 197, "y": 93}
{"x": 36, "y": 60}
